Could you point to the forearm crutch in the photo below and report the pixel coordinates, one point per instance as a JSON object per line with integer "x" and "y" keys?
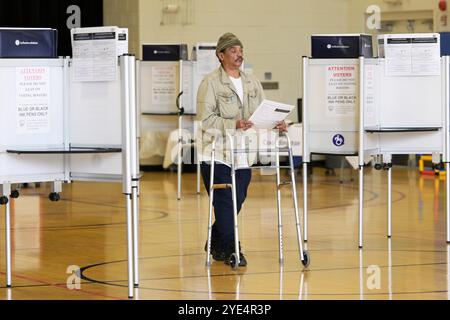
{"x": 235, "y": 258}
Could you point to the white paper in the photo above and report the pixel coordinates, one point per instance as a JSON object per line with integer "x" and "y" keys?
{"x": 341, "y": 91}
{"x": 269, "y": 113}
{"x": 122, "y": 45}
{"x": 96, "y": 51}
{"x": 426, "y": 59}
{"x": 207, "y": 60}
{"x": 412, "y": 54}
{"x": 188, "y": 79}
{"x": 163, "y": 85}
{"x": 370, "y": 91}
{"x": 398, "y": 59}
{"x": 32, "y": 100}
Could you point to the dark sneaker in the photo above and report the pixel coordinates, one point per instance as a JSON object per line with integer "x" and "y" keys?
{"x": 229, "y": 254}
{"x": 217, "y": 253}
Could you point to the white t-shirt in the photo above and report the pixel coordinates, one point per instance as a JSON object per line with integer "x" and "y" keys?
{"x": 239, "y": 87}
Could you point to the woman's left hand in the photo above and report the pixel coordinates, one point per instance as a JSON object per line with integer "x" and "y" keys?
{"x": 281, "y": 126}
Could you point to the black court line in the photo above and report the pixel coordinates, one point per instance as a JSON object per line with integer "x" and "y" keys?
{"x": 115, "y": 282}
{"x": 162, "y": 214}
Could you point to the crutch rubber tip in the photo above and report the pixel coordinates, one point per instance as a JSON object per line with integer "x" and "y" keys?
{"x": 389, "y": 237}
{"x": 9, "y": 286}
{"x": 136, "y": 286}
{"x": 360, "y": 247}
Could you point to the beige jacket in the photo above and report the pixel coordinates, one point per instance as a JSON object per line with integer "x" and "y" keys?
{"x": 219, "y": 108}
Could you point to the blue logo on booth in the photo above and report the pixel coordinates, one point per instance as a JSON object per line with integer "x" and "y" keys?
{"x": 338, "y": 140}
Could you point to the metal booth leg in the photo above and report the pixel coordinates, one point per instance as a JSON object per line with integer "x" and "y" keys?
{"x": 180, "y": 160}
{"x": 130, "y": 250}
{"x": 448, "y": 201}
{"x": 5, "y": 200}
{"x": 389, "y": 170}
{"x": 361, "y": 205}
{"x": 198, "y": 176}
{"x": 135, "y": 210}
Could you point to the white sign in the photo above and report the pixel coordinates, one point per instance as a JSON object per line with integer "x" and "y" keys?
{"x": 163, "y": 85}
{"x": 370, "y": 90}
{"x": 411, "y": 54}
{"x": 341, "y": 91}
{"x": 96, "y": 51}
{"x": 188, "y": 78}
{"x": 207, "y": 60}
{"x": 32, "y": 100}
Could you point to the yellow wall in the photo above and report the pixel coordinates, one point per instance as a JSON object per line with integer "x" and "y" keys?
{"x": 123, "y": 13}
{"x": 276, "y": 34}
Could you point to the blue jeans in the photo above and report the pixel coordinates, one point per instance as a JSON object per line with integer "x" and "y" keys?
{"x": 223, "y": 228}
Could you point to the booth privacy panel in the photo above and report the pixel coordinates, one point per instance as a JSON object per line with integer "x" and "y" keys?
{"x": 333, "y": 92}
{"x": 159, "y": 86}
{"x": 333, "y": 107}
{"x": 30, "y": 168}
{"x": 95, "y": 112}
{"x": 96, "y": 164}
{"x": 390, "y": 98}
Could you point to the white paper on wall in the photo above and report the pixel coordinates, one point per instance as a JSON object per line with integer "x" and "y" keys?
{"x": 163, "y": 85}
{"x": 207, "y": 60}
{"x": 341, "y": 91}
{"x": 32, "y": 100}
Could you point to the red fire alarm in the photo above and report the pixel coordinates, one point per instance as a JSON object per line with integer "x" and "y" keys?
{"x": 443, "y": 5}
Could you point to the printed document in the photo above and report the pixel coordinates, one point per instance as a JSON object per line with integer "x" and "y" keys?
{"x": 269, "y": 113}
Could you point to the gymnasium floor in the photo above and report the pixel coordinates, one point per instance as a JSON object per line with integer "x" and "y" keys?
{"x": 87, "y": 229}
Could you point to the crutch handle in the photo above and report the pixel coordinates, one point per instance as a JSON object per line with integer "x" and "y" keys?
{"x": 222, "y": 186}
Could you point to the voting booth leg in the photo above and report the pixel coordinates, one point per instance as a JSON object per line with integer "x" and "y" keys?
{"x": 130, "y": 174}
{"x": 5, "y": 192}
{"x": 8, "y": 244}
{"x": 305, "y": 201}
{"x": 180, "y": 156}
{"x": 135, "y": 210}
{"x": 280, "y": 221}
{"x": 198, "y": 176}
{"x": 389, "y": 234}
{"x": 130, "y": 246}
{"x": 361, "y": 205}
{"x": 448, "y": 201}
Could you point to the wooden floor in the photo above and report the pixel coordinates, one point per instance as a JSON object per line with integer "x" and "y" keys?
{"x": 87, "y": 229}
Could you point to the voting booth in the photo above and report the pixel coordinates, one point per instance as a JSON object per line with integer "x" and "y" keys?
{"x": 331, "y": 101}
{"x": 168, "y": 88}
{"x": 50, "y": 132}
{"x": 376, "y": 108}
